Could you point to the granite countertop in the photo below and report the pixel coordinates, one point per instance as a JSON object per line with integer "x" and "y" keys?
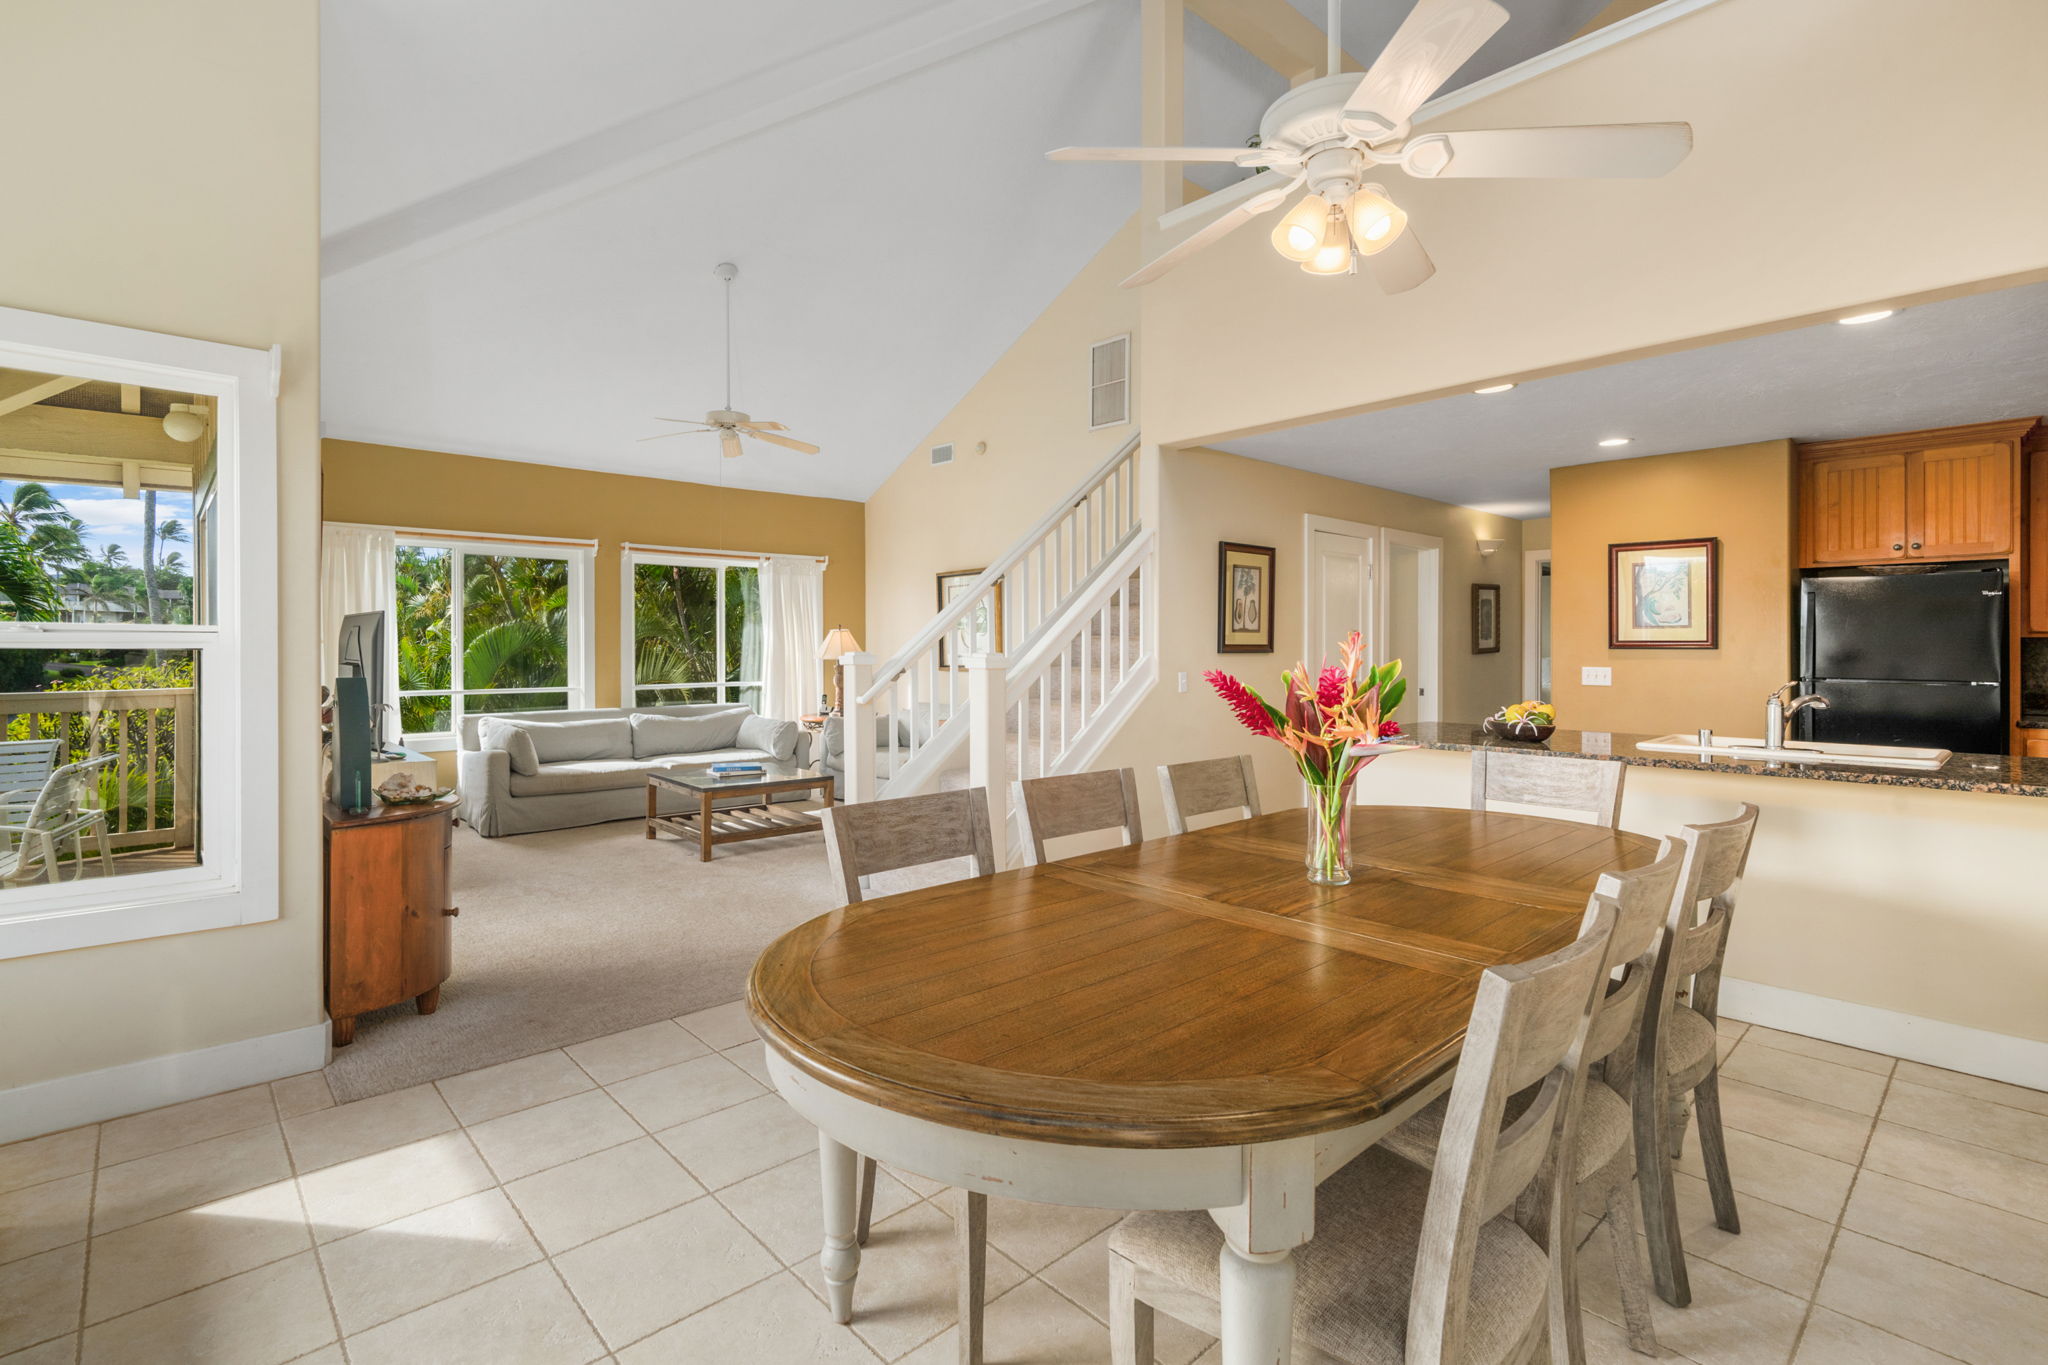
{"x": 1999, "y": 774}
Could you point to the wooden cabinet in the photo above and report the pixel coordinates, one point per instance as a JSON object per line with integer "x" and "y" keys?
{"x": 388, "y": 916}
{"x": 2036, "y": 745}
{"x": 1945, "y": 494}
{"x": 2035, "y": 565}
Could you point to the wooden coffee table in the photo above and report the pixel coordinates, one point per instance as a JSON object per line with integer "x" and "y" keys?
{"x": 757, "y": 819}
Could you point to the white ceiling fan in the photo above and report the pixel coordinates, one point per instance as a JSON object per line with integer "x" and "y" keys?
{"x": 1331, "y": 132}
{"x": 729, "y": 424}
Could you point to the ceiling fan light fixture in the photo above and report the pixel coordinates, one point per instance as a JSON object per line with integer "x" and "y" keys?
{"x": 1333, "y": 255}
{"x": 1299, "y": 233}
{"x": 1376, "y": 221}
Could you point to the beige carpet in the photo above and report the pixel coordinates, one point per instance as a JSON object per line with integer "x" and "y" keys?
{"x": 573, "y": 934}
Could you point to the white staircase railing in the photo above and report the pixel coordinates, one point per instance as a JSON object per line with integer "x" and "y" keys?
{"x": 1026, "y": 605}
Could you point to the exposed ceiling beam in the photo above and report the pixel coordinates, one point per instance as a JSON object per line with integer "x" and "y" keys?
{"x": 108, "y": 436}
{"x": 689, "y": 127}
{"x": 48, "y": 467}
{"x": 24, "y": 388}
{"x": 1273, "y": 31}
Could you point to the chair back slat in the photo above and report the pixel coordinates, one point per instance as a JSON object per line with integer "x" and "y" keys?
{"x": 25, "y": 764}
{"x": 1641, "y": 898}
{"x": 1078, "y": 803}
{"x": 1528, "y": 1025}
{"x": 1690, "y": 953}
{"x": 910, "y": 831}
{"x": 1701, "y": 945}
{"x": 1588, "y": 787}
{"x": 1206, "y": 786}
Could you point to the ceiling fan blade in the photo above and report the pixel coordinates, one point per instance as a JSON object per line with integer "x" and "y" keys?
{"x": 688, "y": 421}
{"x": 1157, "y": 154}
{"x": 1264, "y": 202}
{"x": 663, "y": 436}
{"x": 730, "y": 441}
{"x": 1436, "y": 38}
{"x": 1401, "y": 266}
{"x": 764, "y": 426}
{"x": 772, "y": 439}
{"x": 1595, "y": 151}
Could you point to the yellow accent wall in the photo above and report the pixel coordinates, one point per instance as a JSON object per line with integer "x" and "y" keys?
{"x": 200, "y": 219}
{"x": 391, "y": 485}
{"x": 1741, "y": 494}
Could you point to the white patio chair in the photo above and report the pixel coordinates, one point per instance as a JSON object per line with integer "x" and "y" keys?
{"x": 65, "y": 808}
{"x": 25, "y": 765}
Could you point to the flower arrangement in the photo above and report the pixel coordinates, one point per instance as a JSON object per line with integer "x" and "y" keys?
{"x": 1321, "y": 722}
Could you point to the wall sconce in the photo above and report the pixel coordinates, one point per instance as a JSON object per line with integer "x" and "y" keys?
{"x": 1487, "y": 547}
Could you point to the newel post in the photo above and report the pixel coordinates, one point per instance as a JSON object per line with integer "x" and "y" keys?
{"x": 988, "y": 758}
{"x": 857, "y": 725}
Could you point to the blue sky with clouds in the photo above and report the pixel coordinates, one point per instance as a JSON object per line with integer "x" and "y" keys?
{"x": 111, "y": 518}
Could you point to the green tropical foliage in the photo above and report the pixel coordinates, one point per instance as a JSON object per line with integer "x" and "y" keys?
{"x": 515, "y": 632}
{"x": 130, "y": 798}
{"x": 675, "y": 631}
{"x": 43, "y": 550}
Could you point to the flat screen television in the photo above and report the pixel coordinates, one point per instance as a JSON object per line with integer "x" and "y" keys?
{"x": 362, "y": 656}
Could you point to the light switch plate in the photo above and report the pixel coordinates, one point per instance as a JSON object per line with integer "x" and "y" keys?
{"x": 1596, "y": 677}
{"x": 1183, "y": 682}
{"x": 1596, "y": 741}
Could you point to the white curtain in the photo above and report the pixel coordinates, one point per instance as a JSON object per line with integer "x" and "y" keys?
{"x": 793, "y": 609}
{"x": 359, "y": 572}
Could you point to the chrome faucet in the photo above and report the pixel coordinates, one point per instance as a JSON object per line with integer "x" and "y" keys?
{"x": 1779, "y": 708}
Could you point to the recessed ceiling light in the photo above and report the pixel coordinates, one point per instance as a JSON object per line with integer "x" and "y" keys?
{"x": 1494, "y": 388}
{"x": 1615, "y": 441}
{"x": 1854, "y": 318}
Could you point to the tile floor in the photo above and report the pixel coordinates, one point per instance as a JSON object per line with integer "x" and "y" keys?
{"x": 645, "y": 1198}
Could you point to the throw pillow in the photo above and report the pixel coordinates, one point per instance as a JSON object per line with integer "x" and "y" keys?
{"x": 777, "y": 737}
{"x": 656, "y": 736}
{"x": 513, "y": 739}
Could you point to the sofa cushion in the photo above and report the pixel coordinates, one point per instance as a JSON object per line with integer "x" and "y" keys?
{"x": 576, "y": 741}
{"x": 613, "y": 774}
{"x": 777, "y": 737}
{"x": 514, "y": 740}
{"x": 659, "y": 736}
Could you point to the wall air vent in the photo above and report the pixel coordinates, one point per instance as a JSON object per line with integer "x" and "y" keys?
{"x": 943, "y": 454}
{"x": 1109, "y": 383}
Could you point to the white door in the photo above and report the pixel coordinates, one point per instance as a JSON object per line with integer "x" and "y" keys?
{"x": 1340, "y": 591}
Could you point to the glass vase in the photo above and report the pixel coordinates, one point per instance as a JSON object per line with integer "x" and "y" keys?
{"x": 1329, "y": 838}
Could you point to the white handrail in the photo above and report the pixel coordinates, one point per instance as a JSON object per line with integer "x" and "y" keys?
{"x": 937, "y": 628}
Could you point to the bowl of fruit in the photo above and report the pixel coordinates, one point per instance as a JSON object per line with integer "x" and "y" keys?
{"x": 1532, "y": 721}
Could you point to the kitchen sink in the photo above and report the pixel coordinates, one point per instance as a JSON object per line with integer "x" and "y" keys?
{"x": 1798, "y": 751}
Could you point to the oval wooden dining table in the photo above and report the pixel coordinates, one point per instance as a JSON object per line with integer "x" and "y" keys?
{"x": 1183, "y": 1023}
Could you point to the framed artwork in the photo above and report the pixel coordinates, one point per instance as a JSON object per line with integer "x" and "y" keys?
{"x": 978, "y": 632}
{"x": 1663, "y": 594}
{"x": 1486, "y": 618}
{"x": 1244, "y": 598}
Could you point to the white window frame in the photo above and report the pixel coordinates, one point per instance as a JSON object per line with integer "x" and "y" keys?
{"x": 629, "y": 561}
{"x": 1126, "y": 381}
{"x": 237, "y": 880}
{"x": 579, "y": 555}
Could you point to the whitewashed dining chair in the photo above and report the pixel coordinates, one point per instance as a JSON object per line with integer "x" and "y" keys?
{"x": 1205, "y": 786}
{"x": 1603, "y": 1137}
{"x": 1078, "y": 803}
{"x": 1443, "y": 1267}
{"x": 67, "y": 807}
{"x": 867, "y": 837}
{"x": 1586, "y": 786}
{"x": 1679, "y": 1055}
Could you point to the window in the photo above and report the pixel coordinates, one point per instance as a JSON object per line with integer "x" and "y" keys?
{"x": 488, "y": 626}
{"x": 138, "y": 610}
{"x": 697, "y": 630}
{"x": 1109, "y": 383}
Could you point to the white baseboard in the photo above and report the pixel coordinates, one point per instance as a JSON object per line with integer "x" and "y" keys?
{"x": 69, "y": 1101}
{"x": 1975, "y": 1052}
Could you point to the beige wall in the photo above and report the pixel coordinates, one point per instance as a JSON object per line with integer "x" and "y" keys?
{"x": 171, "y": 182}
{"x": 1740, "y": 494}
{"x": 1536, "y": 534}
{"x": 1209, "y": 496}
{"x": 464, "y": 493}
{"x": 1032, "y": 410}
{"x": 1788, "y": 209}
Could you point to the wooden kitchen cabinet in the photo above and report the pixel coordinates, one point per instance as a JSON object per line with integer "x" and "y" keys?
{"x": 2035, "y": 565}
{"x": 2036, "y": 748}
{"x": 1945, "y": 494}
{"x": 388, "y": 918}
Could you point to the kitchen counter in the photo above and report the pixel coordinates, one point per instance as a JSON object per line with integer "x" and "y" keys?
{"x": 1994, "y": 773}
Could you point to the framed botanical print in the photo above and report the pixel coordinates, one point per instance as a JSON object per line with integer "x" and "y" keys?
{"x": 978, "y": 632}
{"x": 1663, "y": 594}
{"x": 1486, "y": 618}
{"x": 1244, "y": 598}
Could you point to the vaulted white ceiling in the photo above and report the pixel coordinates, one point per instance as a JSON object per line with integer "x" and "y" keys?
{"x": 524, "y": 200}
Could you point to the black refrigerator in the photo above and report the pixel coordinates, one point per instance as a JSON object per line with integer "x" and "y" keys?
{"x": 1915, "y": 657}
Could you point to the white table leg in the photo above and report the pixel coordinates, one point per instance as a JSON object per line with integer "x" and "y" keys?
{"x": 839, "y": 1179}
{"x": 1258, "y": 1306}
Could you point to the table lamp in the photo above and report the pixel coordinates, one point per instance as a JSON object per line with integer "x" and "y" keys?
{"x": 838, "y": 641}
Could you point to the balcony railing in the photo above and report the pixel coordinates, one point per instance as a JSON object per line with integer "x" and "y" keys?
{"x": 150, "y": 793}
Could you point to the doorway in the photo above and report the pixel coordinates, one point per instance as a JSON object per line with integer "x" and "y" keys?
{"x": 1338, "y": 559}
{"x": 1385, "y": 584}
{"x": 1536, "y": 629}
{"x": 1411, "y": 596}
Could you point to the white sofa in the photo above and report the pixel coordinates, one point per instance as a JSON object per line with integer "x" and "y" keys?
{"x": 536, "y": 770}
{"x": 832, "y": 743}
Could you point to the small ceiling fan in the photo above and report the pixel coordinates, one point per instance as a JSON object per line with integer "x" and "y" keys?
{"x": 729, "y": 424}
{"x": 1330, "y": 133}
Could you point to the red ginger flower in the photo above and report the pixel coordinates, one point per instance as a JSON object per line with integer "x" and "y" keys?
{"x": 1244, "y": 704}
{"x": 1332, "y": 687}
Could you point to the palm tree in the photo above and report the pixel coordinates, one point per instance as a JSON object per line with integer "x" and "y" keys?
{"x": 41, "y": 521}
{"x": 152, "y": 596}
{"x": 23, "y": 581}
